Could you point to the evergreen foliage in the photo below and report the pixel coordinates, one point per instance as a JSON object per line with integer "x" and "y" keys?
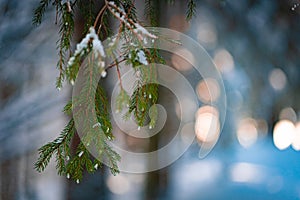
{"x": 72, "y": 161}
{"x": 191, "y": 9}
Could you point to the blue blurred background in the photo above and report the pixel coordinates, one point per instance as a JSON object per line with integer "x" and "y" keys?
{"x": 256, "y": 47}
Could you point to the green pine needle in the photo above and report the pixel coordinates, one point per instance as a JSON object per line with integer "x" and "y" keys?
{"x": 58, "y": 146}
{"x": 39, "y": 12}
{"x": 191, "y": 10}
{"x": 72, "y": 161}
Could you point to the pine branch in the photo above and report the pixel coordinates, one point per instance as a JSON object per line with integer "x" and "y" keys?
{"x": 60, "y": 65}
{"x": 105, "y": 24}
{"x": 47, "y": 151}
{"x": 94, "y": 103}
{"x": 66, "y": 26}
{"x": 97, "y": 131}
{"x": 130, "y": 10}
{"x": 142, "y": 99}
{"x": 191, "y": 10}
{"x": 64, "y": 44}
{"x": 122, "y": 100}
{"x": 60, "y": 160}
{"x": 113, "y": 158}
{"x": 101, "y": 105}
{"x": 80, "y": 161}
{"x": 39, "y": 12}
{"x": 152, "y": 11}
{"x": 87, "y": 9}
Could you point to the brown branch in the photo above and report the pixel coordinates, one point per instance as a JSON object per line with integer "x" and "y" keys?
{"x": 119, "y": 76}
{"x": 99, "y": 15}
{"x": 128, "y": 22}
{"x": 116, "y": 63}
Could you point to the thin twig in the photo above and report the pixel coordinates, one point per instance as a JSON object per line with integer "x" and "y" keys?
{"x": 101, "y": 23}
{"x": 99, "y": 14}
{"x": 128, "y": 23}
{"x": 116, "y": 63}
{"x": 119, "y": 76}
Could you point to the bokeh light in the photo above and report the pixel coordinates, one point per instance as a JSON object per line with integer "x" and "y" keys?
{"x": 246, "y": 173}
{"x": 223, "y": 60}
{"x": 277, "y": 79}
{"x": 296, "y": 141}
{"x": 207, "y": 34}
{"x": 207, "y": 109}
{"x": 288, "y": 114}
{"x": 247, "y": 132}
{"x": 262, "y": 127}
{"x": 284, "y": 133}
{"x": 207, "y": 126}
{"x": 118, "y": 184}
{"x": 255, "y": 46}
{"x": 179, "y": 62}
{"x": 208, "y": 90}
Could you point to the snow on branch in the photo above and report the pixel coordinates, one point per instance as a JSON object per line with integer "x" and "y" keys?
{"x": 97, "y": 46}
{"x": 131, "y": 25}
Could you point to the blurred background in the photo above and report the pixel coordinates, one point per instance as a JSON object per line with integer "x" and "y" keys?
{"x": 256, "y": 47}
